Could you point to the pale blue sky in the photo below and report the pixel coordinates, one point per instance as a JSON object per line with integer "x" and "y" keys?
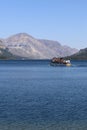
{"x": 61, "y": 20}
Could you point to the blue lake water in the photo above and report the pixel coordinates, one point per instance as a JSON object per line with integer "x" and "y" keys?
{"x": 37, "y": 96}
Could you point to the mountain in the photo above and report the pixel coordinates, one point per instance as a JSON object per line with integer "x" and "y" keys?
{"x": 25, "y": 46}
{"x": 4, "y": 52}
{"x": 81, "y": 55}
{"x": 2, "y": 44}
{"x": 58, "y": 49}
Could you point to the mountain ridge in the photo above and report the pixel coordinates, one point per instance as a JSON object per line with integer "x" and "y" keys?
{"x": 81, "y": 55}
{"x": 26, "y": 46}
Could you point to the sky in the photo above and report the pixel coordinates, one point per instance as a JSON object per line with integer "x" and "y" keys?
{"x": 60, "y": 20}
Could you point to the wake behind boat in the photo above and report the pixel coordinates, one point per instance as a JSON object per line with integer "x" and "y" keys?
{"x": 60, "y": 61}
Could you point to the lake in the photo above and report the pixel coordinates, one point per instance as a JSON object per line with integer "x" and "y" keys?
{"x": 37, "y": 96}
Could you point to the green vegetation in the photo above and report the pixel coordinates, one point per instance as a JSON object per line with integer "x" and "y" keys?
{"x": 81, "y": 55}
{"x": 5, "y": 54}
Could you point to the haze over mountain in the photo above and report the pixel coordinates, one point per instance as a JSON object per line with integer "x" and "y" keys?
{"x": 25, "y": 46}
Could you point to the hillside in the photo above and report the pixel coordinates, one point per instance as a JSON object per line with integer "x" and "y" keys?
{"x": 81, "y": 55}
{"x": 5, "y": 54}
{"x": 58, "y": 49}
{"x": 25, "y": 46}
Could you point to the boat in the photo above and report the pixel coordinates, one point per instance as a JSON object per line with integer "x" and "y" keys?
{"x": 60, "y": 61}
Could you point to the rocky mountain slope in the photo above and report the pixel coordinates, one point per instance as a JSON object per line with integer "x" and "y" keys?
{"x": 81, "y": 55}
{"x": 4, "y": 52}
{"x": 58, "y": 49}
{"x": 28, "y": 47}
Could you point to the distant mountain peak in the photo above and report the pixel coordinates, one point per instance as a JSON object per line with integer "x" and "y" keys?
{"x": 19, "y": 38}
{"x": 26, "y": 46}
{"x": 22, "y": 35}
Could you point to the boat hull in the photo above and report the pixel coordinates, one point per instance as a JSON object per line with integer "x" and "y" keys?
{"x": 58, "y": 64}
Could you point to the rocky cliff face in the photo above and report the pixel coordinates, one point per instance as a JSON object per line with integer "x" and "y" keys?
{"x": 26, "y": 46}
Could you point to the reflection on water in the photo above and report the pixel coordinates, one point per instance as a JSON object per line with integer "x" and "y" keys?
{"x": 37, "y": 96}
